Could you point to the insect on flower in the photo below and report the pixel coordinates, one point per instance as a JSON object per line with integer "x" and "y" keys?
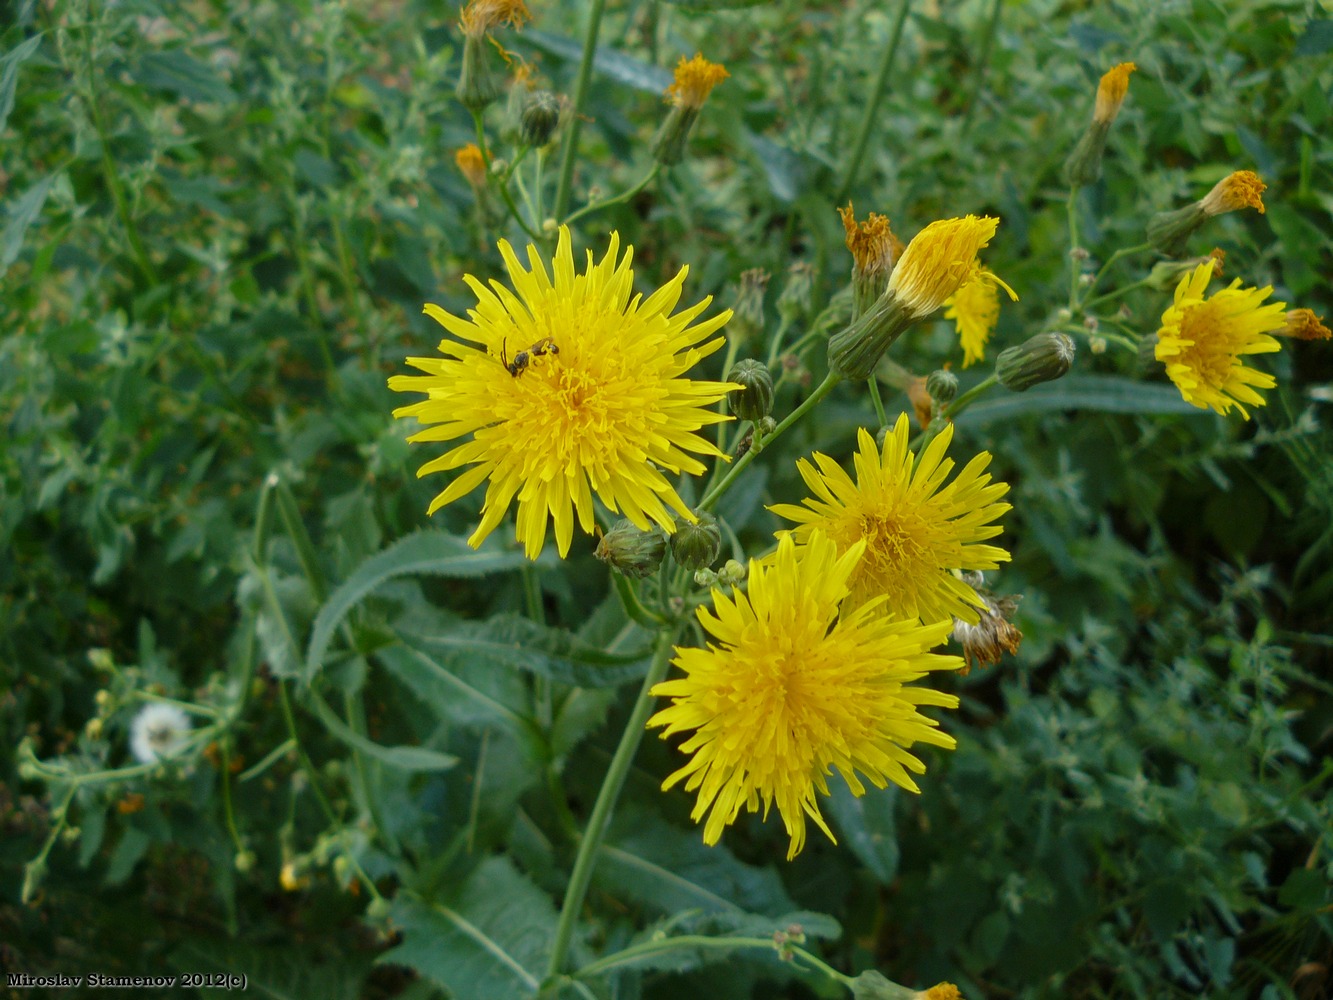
{"x": 524, "y": 358}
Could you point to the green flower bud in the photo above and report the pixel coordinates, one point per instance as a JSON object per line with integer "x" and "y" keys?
{"x": 695, "y": 546}
{"x": 767, "y": 426}
{"x": 478, "y": 84}
{"x": 704, "y": 578}
{"x": 748, "y": 310}
{"x": 733, "y": 572}
{"x": 871, "y": 985}
{"x": 942, "y": 386}
{"x": 540, "y": 118}
{"x": 244, "y": 861}
{"x": 794, "y": 302}
{"x": 1042, "y": 358}
{"x": 1169, "y": 232}
{"x": 855, "y": 351}
{"x": 631, "y": 551}
{"x": 756, "y": 400}
{"x": 671, "y": 139}
{"x": 1084, "y": 165}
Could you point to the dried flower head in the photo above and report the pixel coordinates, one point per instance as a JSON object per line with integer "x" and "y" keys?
{"x": 695, "y": 80}
{"x": 1303, "y": 324}
{"x": 1242, "y": 189}
{"x": 1111, "y": 92}
{"x": 480, "y": 16}
{"x": 159, "y": 731}
{"x": 993, "y": 635}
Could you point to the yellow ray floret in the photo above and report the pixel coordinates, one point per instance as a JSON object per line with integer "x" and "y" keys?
{"x": 1204, "y": 339}
{"x": 566, "y": 386}
{"x": 975, "y": 309}
{"x": 940, "y": 260}
{"x": 799, "y": 685}
{"x": 916, "y": 530}
{"x": 694, "y": 81}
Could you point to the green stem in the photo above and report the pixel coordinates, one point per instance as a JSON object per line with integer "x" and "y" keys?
{"x": 503, "y": 187}
{"x": 606, "y": 800}
{"x": 570, "y": 151}
{"x": 658, "y": 946}
{"x": 871, "y": 112}
{"x": 1111, "y": 296}
{"x": 1122, "y": 252}
{"x": 879, "y": 403}
{"x": 775, "y": 347}
{"x": 625, "y": 195}
{"x": 822, "y": 390}
{"x": 629, "y": 599}
{"x": 983, "y": 63}
{"x": 1071, "y": 213}
{"x": 952, "y": 410}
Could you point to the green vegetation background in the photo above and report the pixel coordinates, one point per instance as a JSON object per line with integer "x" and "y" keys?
{"x": 221, "y": 222}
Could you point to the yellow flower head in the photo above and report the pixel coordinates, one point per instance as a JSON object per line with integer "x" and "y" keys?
{"x": 798, "y": 684}
{"x": 975, "y": 309}
{"x": 1303, "y": 324}
{"x": 1204, "y": 339}
{"x": 695, "y": 80}
{"x": 1242, "y": 189}
{"x": 873, "y": 245}
{"x": 573, "y": 388}
{"x": 471, "y": 164}
{"x": 1111, "y": 92}
{"x": 941, "y": 259}
{"x": 916, "y": 531}
{"x": 480, "y": 16}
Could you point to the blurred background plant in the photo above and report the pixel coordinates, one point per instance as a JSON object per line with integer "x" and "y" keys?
{"x": 221, "y": 223}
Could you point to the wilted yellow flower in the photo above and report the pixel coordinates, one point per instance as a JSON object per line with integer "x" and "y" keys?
{"x": 1303, "y": 324}
{"x": 992, "y": 636}
{"x": 874, "y": 248}
{"x": 1242, "y": 189}
{"x": 1204, "y": 339}
{"x": 480, "y": 16}
{"x": 574, "y": 388}
{"x": 472, "y": 165}
{"x": 1111, "y": 92}
{"x": 975, "y": 309}
{"x": 695, "y": 80}
{"x": 800, "y": 683}
{"x": 922, "y": 405}
{"x": 916, "y": 530}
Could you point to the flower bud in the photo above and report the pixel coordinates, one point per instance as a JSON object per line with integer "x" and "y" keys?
{"x": 732, "y": 572}
{"x": 695, "y": 546}
{"x": 794, "y": 302}
{"x": 1170, "y": 231}
{"x": 1042, "y": 358}
{"x": 748, "y": 311}
{"x": 755, "y": 401}
{"x": 942, "y": 386}
{"x": 244, "y": 861}
{"x": 631, "y": 551}
{"x": 695, "y": 80}
{"x": 1084, "y": 165}
{"x": 704, "y": 578}
{"x": 478, "y": 83}
{"x": 540, "y": 117}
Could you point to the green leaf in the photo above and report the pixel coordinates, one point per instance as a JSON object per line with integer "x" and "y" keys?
{"x": 280, "y": 973}
{"x": 9, "y": 74}
{"x": 21, "y": 215}
{"x": 488, "y": 942}
{"x": 402, "y": 757}
{"x": 1317, "y": 38}
{"x": 707, "y": 5}
{"x": 607, "y": 61}
{"x": 1101, "y": 393}
{"x": 425, "y": 553}
{"x": 179, "y": 73}
{"x": 865, "y": 825}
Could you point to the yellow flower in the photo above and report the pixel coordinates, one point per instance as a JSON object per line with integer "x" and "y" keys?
{"x": 1204, "y": 339}
{"x": 800, "y": 683}
{"x": 573, "y": 389}
{"x": 695, "y": 80}
{"x": 480, "y": 16}
{"x": 940, "y": 260}
{"x": 1303, "y": 324}
{"x": 471, "y": 164}
{"x": 975, "y": 309}
{"x": 916, "y": 533}
{"x": 1111, "y": 93}
{"x": 1242, "y": 189}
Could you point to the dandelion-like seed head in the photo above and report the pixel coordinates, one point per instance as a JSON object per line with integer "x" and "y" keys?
{"x": 800, "y": 684}
{"x": 1242, "y": 189}
{"x": 1204, "y": 339}
{"x": 159, "y": 731}
{"x": 916, "y": 530}
{"x": 564, "y": 386}
{"x": 480, "y": 16}
{"x": 940, "y": 260}
{"x": 1111, "y": 92}
{"x": 695, "y": 80}
{"x": 471, "y": 164}
{"x": 1303, "y": 324}
{"x": 975, "y": 309}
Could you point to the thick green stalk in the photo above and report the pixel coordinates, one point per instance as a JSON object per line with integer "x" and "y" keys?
{"x": 571, "y": 149}
{"x": 614, "y": 781}
{"x": 872, "y": 106}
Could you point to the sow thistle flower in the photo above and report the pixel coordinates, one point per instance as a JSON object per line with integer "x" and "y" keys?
{"x": 1169, "y": 232}
{"x": 936, "y": 264}
{"x": 572, "y": 389}
{"x": 975, "y": 309}
{"x": 694, "y": 81}
{"x": 916, "y": 530}
{"x": 1084, "y": 165}
{"x": 1204, "y": 339}
{"x": 800, "y": 683}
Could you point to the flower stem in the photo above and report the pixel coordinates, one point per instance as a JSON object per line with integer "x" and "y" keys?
{"x": 1122, "y": 252}
{"x": 1110, "y": 296}
{"x": 504, "y": 185}
{"x": 871, "y": 112}
{"x": 625, "y": 195}
{"x": 1071, "y": 211}
{"x": 879, "y": 403}
{"x": 570, "y": 150}
{"x": 616, "y": 774}
{"x": 983, "y": 62}
{"x": 823, "y": 389}
{"x": 952, "y": 410}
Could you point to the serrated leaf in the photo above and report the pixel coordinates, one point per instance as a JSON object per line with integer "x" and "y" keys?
{"x": 424, "y": 553}
{"x": 402, "y": 757}
{"x": 22, "y": 214}
{"x": 607, "y": 61}
{"x": 279, "y": 973}
{"x": 488, "y": 942}
{"x": 9, "y": 74}
{"x": 1101, "y": 393}
{"x": 865, "y": 824}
